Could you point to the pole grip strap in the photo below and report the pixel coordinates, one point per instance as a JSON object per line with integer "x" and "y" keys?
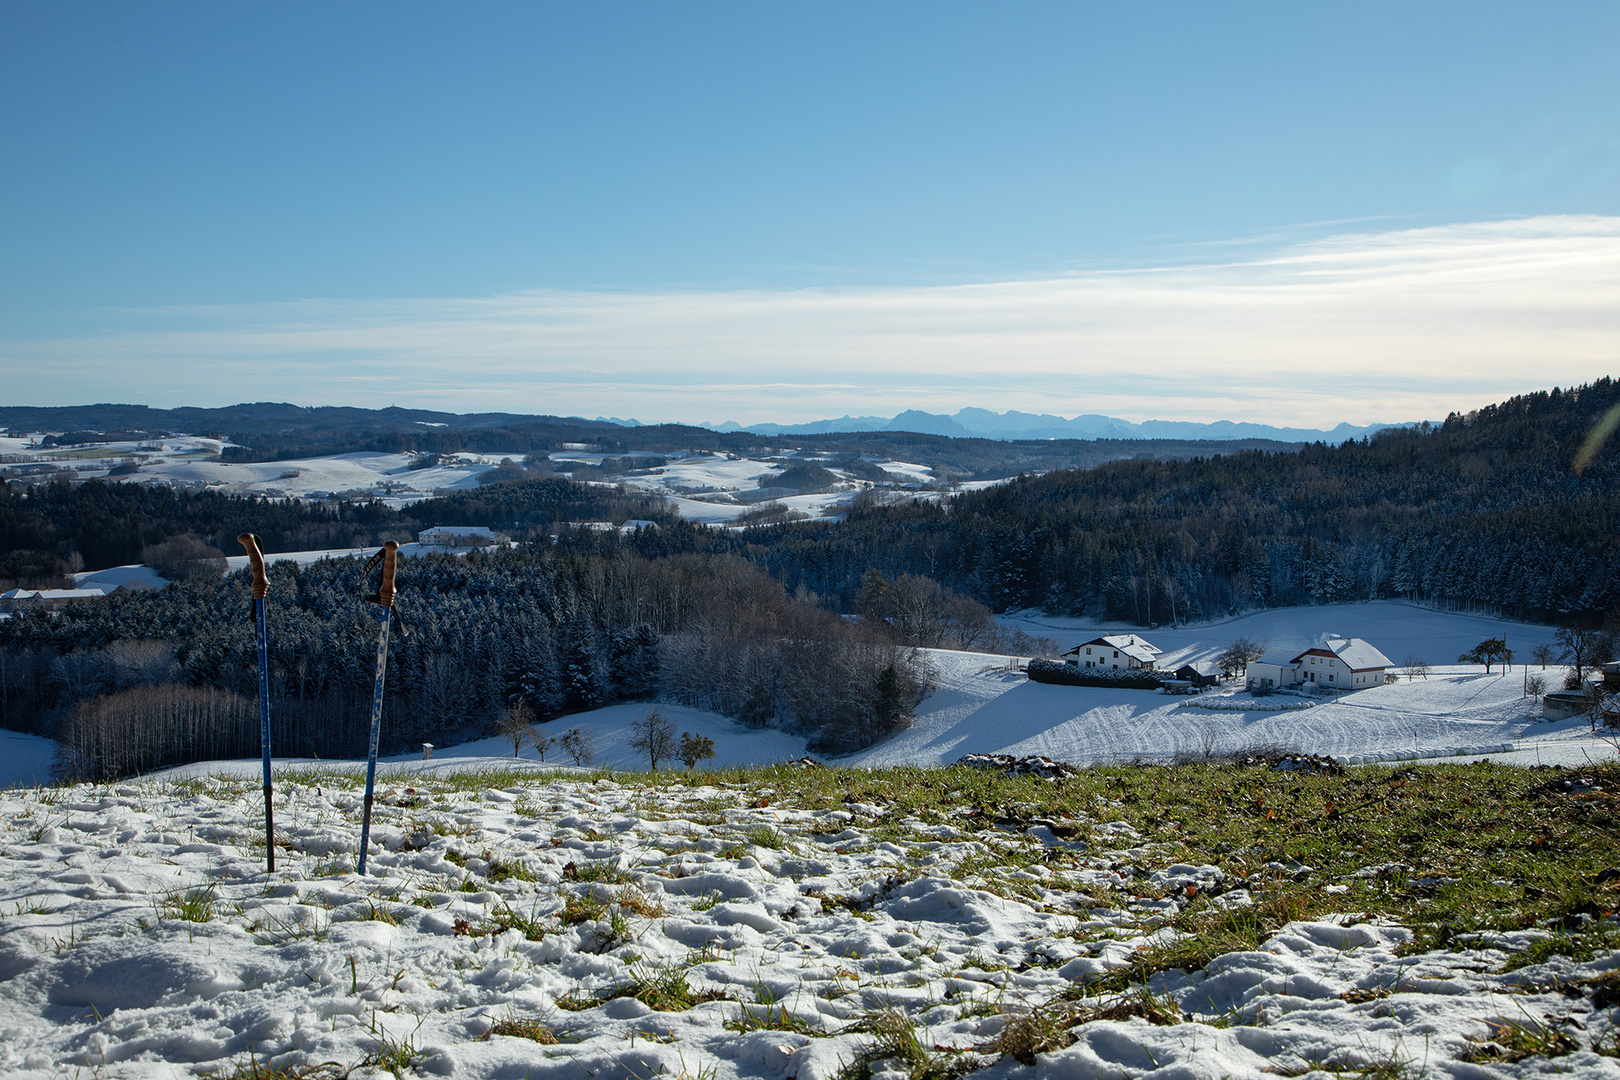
{"x": 261, "y": 584}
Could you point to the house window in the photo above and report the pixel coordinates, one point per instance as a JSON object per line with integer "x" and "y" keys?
{"x": 1116, "y": 654}
{"x": 1088, "y": 650}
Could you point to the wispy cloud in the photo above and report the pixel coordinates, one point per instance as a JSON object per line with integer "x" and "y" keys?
{"x": 1359, "y": 327}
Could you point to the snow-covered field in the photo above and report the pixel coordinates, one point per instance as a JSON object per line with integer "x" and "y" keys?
{"x": 1397, "y": 628}
{"x": 706, "y": 487}
{"x": 716, "y": 489}
{"x": 982, "y": 706}
{"x": 698, "y": 931}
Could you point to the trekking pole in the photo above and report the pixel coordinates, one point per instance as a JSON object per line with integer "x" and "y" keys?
{"x": 261, "y": 585}
{"x": 384, "y": 599}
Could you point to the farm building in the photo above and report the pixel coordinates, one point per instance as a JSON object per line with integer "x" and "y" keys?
{"x": 458, "y": 536}
{"x": 47, "y": 599}
{"x": 1336, "y": 663}
{"x": 1203, "y": 673}
{"x": 1114, "y": 651}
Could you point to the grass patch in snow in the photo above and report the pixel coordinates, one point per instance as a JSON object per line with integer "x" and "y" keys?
{"x": 604, "y": 871}
{"x": 252, "y": 1069}
{"x": 371, "y": 911}
{"x": 533, "y": 1030}
{"x": 1447, "y": 848}
{"x": 499, "y": 869}
{"x": 766, "y": 837}
{"x": 1028, "y": 1032}
{"x": 394, "y": 1055}
{"x": 194, "y": 905}
{"x": 1579, "y": 947}
{"x": 1515, "y": 1040}
{"x": 1206, "y": 933}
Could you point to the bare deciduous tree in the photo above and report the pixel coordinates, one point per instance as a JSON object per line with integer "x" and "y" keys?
{"x": 654, "y": 736}
{"x": 1583, "y": 648}
{"x": 577, "y": 744}
{"x": 517, "y": 724}
{"x": 1236, "y": 657}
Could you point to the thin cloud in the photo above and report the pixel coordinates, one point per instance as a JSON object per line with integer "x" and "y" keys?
{"x": 1360, "y": 327}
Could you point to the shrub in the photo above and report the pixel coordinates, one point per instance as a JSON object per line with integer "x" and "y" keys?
{"x": 577, "y": 744}
{"x": 695, "y": 748}
{"x": 1051, "y": 671}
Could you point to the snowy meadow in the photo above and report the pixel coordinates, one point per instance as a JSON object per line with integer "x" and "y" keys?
{"x": 1201, "y": 920}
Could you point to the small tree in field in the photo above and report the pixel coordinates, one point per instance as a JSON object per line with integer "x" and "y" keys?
{"x": 1543, "y": 654}
{"x": 1487, "y": 652}
{"x": 654, "y": 736}
{"x": 1583, "y": 648}
{"x": 578, "y": 745}
{"x": 1415, "y": 666}
{"x": 1236, "y": 657}
{"x": 695, "y": 748}
{"x": 541, "y": 744}
{"x": 517, "y": 724}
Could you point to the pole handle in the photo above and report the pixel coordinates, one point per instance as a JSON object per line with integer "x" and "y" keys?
{"x": 390, "y": 559}
{"x": 261, "y": 584}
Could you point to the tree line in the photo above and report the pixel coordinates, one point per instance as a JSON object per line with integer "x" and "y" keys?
{"x": 559, "y": 626}
{"x": 1482, "y": 511}
{"x": 48, "y": 530}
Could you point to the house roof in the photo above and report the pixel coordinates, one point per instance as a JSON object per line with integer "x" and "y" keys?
{"x": 1357, "y": 654}
{"x": 1132, "y": 645}
{"x": 459, "y": 530}
{"x": 56, "y": 594}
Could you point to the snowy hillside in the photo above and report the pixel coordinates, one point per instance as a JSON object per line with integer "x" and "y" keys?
{"x": 1398, "y": 629}
{"x": 712, "y": 488}
{"x": 984, "y": 705}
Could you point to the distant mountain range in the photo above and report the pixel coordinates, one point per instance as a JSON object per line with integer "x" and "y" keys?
{"x": 272, "y": 417}
{"x": 984, "y": 424}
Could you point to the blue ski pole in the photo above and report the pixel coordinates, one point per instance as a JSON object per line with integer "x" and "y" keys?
{"x": 261, "y": 585}
{"x": 384, "y": 599}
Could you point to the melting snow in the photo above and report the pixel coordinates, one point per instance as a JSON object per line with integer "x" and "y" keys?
{"x": 584, "y": 904}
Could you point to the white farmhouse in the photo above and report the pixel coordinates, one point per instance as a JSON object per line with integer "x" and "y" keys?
{"x": 458, "y": 536}
{"x": 49, "y": 599}
{"x": 1114, "y": 651}
{"x": 1336, "y": 663}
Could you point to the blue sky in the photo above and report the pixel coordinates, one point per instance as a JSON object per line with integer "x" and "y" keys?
{"x": 782, "y": 212}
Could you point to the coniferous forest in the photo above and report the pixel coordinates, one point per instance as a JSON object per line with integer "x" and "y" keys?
{"x": 1482, "y": 511}
{"x": 560, "y": 627}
